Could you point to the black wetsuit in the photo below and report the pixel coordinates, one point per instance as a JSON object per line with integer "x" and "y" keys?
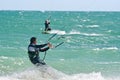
{"x": 47, "y": 28}
{"x": 33, "y": 52}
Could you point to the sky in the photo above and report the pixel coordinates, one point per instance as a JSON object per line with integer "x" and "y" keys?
{"x": 61, "y": 5}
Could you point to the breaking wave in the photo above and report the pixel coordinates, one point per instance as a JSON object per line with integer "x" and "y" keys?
{"x": 49, "y": 73}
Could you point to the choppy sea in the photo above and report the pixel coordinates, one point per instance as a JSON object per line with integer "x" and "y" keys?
{"x": 91, "y": 49}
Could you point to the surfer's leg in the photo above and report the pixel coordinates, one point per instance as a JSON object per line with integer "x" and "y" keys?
{"x": 42, "y": 62}
{"x": 49, "y": 29}
{"x": 37, "y": 61}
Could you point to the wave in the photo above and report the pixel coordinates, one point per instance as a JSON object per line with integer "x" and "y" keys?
{"x": 49, "y": 73}
{"x": 82, "y": 76}
{"x": 7, "y": 47}
{"x": 85, "y": 34}
{"x": 92, "y": 34}
{"x": 73, "y": 32}
{"x": 36, "y": 73}
{"x": 3, "y": 57}
{"x": 89, "y": 26}
{"x": 92, "y": 26}
{"x": 106, "y": 48}
{"x": 107, "y": 62}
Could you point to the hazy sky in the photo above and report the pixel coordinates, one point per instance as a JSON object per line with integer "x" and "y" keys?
{"x": 61, "y": 5}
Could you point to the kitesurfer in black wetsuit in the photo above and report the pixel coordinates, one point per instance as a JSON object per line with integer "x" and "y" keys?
{"x": 47, "y": 27}
{"x": 34, "y": 49}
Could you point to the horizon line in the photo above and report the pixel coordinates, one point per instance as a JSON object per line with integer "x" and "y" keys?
{"x": 60, "y": 10}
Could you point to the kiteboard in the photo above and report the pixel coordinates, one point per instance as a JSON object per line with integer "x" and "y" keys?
{"x": 45, "y": 32}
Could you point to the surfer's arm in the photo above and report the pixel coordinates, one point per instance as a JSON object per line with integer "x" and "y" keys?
{"x": 43, "y": 49}
{"x": 41, "y": 46}
{"x": 46, "y": 48}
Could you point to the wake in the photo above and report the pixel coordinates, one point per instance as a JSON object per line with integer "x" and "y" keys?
{"x": 58, "y": 32}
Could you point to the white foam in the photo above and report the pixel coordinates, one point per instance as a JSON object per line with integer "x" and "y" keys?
{"x": 58, "y": 32}
{"x": 74, "y": 32}
{"x": 85, "y": 34}
{"x": 96, "y": 49}
{"x": 109, "y": 31}
{"x": 36, "y": 73}
{"x": 48, "y": 73}
{"x": 90, "y": 76}
{"x": 106, "y": 48}
{"x": 41, "y": 73}
{"x": 21, "y": 13}
{"x": 80, "y": 26}
{"x": 92, "y": 26}
{"x": 107, "y": 62}
{"x": 8, "y": 47}
{"x": 111, "y": 48}
{"x": 84, "y": 20}
{"x": 3, "y": 57}
{"x": 91, "y": 34}
{"x": 62, "y": 59}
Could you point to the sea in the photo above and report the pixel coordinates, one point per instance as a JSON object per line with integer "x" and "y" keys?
{"x": 90, "y": 49}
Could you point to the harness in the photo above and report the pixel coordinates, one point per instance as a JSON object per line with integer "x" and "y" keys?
{"x": 33, "y": 54}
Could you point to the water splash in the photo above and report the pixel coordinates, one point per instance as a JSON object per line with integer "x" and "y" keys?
{"x": 58, "y": 32}
{"x": 48, "y": 73}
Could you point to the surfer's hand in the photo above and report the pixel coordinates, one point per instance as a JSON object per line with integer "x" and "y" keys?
{"x": 50, "y": 45}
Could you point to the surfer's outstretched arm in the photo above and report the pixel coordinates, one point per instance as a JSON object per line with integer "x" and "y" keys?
{"x": 47, "y": 46}
{"x": 41, "y": 46}
{"x": 43, "y": 49}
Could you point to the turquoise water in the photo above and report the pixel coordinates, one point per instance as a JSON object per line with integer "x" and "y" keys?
{"x": 91, "y": 50}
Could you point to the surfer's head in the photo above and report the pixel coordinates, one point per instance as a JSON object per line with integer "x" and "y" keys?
{"x": 33, "y": 40}
{"x": 47, "y": 21}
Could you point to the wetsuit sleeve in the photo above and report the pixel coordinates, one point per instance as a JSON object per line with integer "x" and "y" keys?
{"x": 43, "y": 49}
{"x": 41, "y": 46}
